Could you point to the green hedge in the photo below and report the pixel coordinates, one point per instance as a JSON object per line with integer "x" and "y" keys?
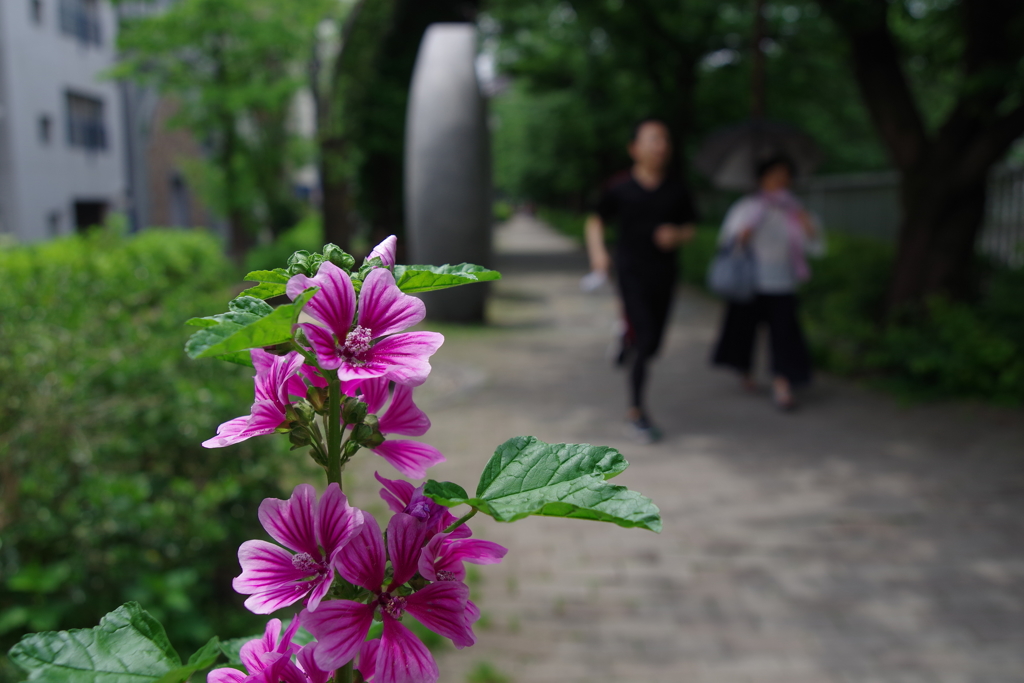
{"x": 107, "y": 495}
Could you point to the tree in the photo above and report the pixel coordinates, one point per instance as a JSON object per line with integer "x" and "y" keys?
{"x": 584, "y": 71}
{"x": 233, "y": 66}
{"x": 944, "y": 84}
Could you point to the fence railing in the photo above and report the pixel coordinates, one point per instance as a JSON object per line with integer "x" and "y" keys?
{"x": 868, "y": 204}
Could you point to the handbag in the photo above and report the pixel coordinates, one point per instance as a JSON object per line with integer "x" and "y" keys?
{"x": 732, "y": 274}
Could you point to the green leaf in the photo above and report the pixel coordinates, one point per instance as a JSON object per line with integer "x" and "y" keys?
{"x": 265, "y": 290}
{"x": 526, "y": 476}
{"x": 277, "y": 275}
{"x": 249, "y": 324}
{"x": 203, "y": 658}
{"x": 128, "y": 646}
{"x": 414, "y": 279}
{"x": 446, "y": 492}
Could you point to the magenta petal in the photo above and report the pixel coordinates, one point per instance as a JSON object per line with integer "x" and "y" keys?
{"x": 321, "y": 585}
{"x": 324, "y": 345}
{"x": 228, "y": 433}
{"x": 375, "y": 393}
{"x": 252, "y": 652}
{"x": 396, "y": 492}
{"x": 385, "y": 251}
{"x": 429, "y": 558}
{"x": 314, "y": 376}
{"x": 405, "y": 540}
{"x": 292, "y": 522}
{"x": 367, "y": 665}
{"x": 225, "y": 675}
{"x": 340, "y": 627}
{"x": 402, "y": 416}
{"x": 335, "y": 304}
{"x": 361, "y": 371}
{"x": 411, "y": 458}
{"x": 269, "y": 576}
{"x": 402, "y": 658}
{"x": 297, "y": 284}
{"x": 405, "y": 355}
{"x": 361, "y": 560}
{"x": 262, "y": 361}
{"x": 441, "y": 607}
{"x": 336, "y": 522}
{"x": 383, "y": 308}
{"x": 307, "y": 661}
{"x": 472, "y": 612}
{"x": 475, "y": 551}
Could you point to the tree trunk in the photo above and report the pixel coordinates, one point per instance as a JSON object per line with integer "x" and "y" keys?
{"x": 336, "y": 188}
{"x": 942, "y": 218}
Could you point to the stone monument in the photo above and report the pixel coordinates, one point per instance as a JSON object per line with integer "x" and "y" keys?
{"x": 448, "y": 166}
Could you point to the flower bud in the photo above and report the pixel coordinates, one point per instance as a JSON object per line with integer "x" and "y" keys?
{"x": 314, "y": 262}
{"x": 368, "y": 436}
{"x": 304, "y": 409}
{"x": 297, "y": 263}
{"x": 299, "y": 438}
{"x": 317, "y": 397}
{"x": 339, "y": 257}
{"x": 353, "y": 411}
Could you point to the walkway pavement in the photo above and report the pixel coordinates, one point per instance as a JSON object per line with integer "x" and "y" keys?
{"x": 856, "y": 541}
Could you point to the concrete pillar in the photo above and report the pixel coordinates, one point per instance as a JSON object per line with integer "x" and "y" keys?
{"x": 448, "y": 167}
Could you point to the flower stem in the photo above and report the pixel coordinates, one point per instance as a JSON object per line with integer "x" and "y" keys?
{"x": 344, "y": 674}
{"x": 334, "y": 429}
{"x": 460, "y": 521}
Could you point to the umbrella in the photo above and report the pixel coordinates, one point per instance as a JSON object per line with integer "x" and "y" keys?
{"x": 730, "y": 156}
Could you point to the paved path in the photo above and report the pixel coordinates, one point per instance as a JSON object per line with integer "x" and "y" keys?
{"x": 856, "y": 541}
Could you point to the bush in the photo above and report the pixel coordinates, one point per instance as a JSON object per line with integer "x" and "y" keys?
{"x": 107, "y": 495}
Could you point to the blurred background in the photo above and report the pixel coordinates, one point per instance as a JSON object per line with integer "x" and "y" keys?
{"x": 151, "y": 151}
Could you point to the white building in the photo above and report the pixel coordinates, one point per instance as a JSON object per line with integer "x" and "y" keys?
{"x": 62, "y": 153}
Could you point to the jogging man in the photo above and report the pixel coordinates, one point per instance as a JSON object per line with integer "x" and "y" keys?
{"x": 654, "y": 214}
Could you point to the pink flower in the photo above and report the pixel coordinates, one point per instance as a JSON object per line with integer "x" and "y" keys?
{"x": 367, "y": 346}
{"x": 317, "y": 532}
{"x": 341, "y": 626}
{"x": 385, "y": 251}
{"x": 267, "y": 659}
{"x": 401, "y": 496}
{"x": 443, "y": 556}
{"x": 403, "y": 417}
{"x": 276, "y": 380}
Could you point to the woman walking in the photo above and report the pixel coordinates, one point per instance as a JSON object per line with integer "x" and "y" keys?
{"x": 773, "y": 224}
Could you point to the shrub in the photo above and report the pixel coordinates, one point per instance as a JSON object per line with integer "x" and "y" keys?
{"x": 107, "y": 495}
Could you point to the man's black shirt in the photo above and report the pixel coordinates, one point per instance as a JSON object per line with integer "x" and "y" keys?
{"x": 637, "y": 212}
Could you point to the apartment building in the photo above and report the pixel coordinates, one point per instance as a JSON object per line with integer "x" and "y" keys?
{"x": 62, "y": 152}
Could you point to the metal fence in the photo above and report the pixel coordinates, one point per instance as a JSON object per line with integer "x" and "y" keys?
{"x": 868, "y": 204}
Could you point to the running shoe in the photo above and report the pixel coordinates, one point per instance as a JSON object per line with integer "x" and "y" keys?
{"x": 642, "y": 431}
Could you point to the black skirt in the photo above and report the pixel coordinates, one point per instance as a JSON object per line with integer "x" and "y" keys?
{"x": 790, "y": 357}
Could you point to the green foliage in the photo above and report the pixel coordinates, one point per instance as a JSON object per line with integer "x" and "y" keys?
{"x": 418, "y": 279}
{"x": 485, "y": 672}
{"x": 107, "y": 495}
{"x": 129, "y": 645}
{"x": 949, "y": 349}
{"x": 234, "y": 68}
{"x": 586, "y": 71}
{"x": 249, "y": 324}
{"x": 526, "y": 476}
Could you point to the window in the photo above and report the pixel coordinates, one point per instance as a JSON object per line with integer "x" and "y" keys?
{"x": 85, "y": 122}
{"x": 45, "y": 129}
{"x": 89, "y": 214}
{"x": 81, "y": 19}
{"x": 36, "y": 8}
{"x": 179, "y": 202}
{"x": 53, "y": 223}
